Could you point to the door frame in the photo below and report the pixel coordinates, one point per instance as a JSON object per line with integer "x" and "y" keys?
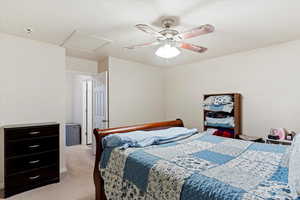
{"x": 87, "y": 112}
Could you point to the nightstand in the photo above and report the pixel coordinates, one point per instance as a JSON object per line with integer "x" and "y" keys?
{"x": 282, "y": 142}
{"x": 251, "y": 138}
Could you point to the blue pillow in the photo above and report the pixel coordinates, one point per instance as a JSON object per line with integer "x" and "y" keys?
{"x": 146, "y": 138}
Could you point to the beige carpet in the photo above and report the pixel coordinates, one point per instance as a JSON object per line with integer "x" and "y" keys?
{"x": 76, "y": 184}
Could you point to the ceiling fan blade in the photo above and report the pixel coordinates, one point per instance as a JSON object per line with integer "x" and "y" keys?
{"x": 148, "y": 29}
{"x": 192, "y": 47}
{"x": 204, "y": 29}
{"x": 148, "y": 44}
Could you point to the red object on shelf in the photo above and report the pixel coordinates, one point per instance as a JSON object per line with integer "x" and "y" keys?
{"x": 227, "y": 134}
{"x": 218, "y": 133}
{"x": 223, "y": 134}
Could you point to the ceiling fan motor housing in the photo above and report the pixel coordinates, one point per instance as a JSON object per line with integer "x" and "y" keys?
{"x": 168, "y": 22}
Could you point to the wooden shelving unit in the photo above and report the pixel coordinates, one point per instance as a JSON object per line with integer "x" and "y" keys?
{"x": 236, "y": 113}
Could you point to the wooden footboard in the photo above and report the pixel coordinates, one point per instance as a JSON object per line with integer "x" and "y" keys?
{"x": 100, "y": 133}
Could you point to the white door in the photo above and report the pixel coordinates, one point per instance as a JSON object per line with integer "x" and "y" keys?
{"x": 100, "y": 102}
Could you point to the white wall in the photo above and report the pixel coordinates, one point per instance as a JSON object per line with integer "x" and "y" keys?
{"x": 135, "y": 93}
{"x": 32, "y": 83}
{"x": 267, "y": 78}
{"x": 69, "y": 96}
{"x": 77, "y": 99}
{"x": 81, "y": 65}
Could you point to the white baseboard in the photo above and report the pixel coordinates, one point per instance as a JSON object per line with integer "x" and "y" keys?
{"x": 63, "y": 170}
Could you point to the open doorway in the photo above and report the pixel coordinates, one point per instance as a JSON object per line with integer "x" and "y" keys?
{"x": 87, "y": 106}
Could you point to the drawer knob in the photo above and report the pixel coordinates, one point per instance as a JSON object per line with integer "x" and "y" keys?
{"x": 34, "y": 177}
{"x": 34, "y": 146}
{"x": 34, "y": 161}
{"x": 34, "y": 133}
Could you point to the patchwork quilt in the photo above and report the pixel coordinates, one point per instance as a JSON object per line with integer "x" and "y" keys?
{"x": 201, "y": 167}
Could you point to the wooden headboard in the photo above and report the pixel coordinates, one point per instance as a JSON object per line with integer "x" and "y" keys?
{"x": 100, "y": 133}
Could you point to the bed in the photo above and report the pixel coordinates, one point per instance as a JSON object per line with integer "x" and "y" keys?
{"x": 202, "y": 166}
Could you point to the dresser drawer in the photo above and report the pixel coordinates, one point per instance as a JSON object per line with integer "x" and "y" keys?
{"x": 34, "y": 177}
{"x": 38, "y": 145}
{"x": 31, "y": 132}
{"x": 15, "y": 165}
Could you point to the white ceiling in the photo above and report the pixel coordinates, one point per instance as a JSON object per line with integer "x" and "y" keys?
{"x": 240, "y": 25}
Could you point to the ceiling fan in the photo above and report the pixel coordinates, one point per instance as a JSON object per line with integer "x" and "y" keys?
{"x": 170, "y": 39}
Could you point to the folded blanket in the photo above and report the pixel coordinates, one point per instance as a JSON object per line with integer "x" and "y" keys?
{"x": 227, "y": 122}
{"x": 224, "y": 108}
{"x": 146, "y": 138}
{"x": 218, "y": 114}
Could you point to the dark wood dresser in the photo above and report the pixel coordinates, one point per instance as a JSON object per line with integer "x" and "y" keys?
{"x": 31, "y": 157}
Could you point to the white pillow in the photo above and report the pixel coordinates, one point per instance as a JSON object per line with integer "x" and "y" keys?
{"x": 294, "y": 167}
{"x": 218, "y": 100}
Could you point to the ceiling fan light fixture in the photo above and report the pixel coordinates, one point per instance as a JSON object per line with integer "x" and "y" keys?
{"x": 167, "y": 51}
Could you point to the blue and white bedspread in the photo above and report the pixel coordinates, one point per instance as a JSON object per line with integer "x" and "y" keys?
{"x": 201, "y": 167}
